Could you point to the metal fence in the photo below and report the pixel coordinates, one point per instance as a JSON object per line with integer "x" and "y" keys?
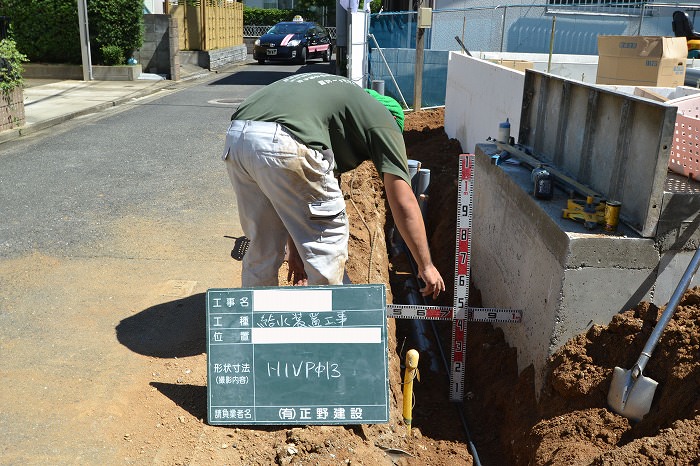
{"x": 257, "y": 31}
{"x": 512, "y": 28}
{"x": 528, "y": 28}
{"x": 524, "y": 28}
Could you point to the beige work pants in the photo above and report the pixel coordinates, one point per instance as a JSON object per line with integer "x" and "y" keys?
{"x": 284, "y": 188}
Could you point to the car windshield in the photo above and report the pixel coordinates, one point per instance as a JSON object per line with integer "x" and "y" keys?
{"x": 288, "y": 28}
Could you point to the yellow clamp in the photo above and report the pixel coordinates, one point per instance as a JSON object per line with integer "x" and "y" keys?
{"x": 410, "y": 373}
{"x": 589, "y": 212}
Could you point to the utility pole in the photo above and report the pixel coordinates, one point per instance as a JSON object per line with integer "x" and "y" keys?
{"x": 84, "y": 40}
{"x": 423, "y": 21}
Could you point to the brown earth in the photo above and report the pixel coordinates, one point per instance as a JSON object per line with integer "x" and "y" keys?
{"x": 569, "y": 424}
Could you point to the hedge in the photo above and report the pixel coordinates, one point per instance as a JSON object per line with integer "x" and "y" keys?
{"x": 48, "y": 30}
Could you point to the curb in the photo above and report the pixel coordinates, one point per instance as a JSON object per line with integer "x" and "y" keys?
{"x": 15, "y": 133}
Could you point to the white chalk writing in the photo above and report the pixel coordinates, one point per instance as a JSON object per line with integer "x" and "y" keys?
{"x": 304, "y": 369}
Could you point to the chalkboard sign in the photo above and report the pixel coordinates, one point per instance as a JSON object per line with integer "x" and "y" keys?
{"x": 297, "y": 355}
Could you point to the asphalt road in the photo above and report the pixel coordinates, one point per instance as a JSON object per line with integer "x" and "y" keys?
{"x": 102, "y": 219}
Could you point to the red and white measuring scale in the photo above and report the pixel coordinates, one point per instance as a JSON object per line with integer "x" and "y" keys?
{"x": 460, "y": 312}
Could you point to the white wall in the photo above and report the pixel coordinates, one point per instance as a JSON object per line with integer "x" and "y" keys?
{"x": 480, "y": 95}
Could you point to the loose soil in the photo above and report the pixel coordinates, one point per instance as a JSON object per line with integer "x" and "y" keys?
{"x": 507, "y": 423}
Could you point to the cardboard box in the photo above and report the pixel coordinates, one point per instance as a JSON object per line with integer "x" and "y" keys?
{"x": 520, "y": 65}
{"x": 642, "y": 60}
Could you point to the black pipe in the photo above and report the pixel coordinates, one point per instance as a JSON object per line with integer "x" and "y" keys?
{"x": 415, "y": 297}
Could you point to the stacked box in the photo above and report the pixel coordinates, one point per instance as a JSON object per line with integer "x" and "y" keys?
{"x": 642, "y": 60}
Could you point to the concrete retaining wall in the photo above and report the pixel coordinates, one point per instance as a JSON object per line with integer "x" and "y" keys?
{"x": 526, "y": 256}
{"x": 563, "y": 277}
{"x": 479, "y": 96}
{"x": 75, "y": 72}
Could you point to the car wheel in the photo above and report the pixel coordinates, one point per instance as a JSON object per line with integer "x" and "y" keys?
{"x": 301, "y": 58}
{"x": 261, "y": 61}
{"x": 327, "y": 55}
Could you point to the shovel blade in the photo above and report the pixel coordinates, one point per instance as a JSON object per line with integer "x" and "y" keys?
{"x": 631, "y": 397}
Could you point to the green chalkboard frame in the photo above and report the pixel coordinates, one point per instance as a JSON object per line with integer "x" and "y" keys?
{"x": 313, "y": 355}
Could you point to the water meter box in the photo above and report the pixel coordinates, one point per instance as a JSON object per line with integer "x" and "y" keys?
{"x": 425, "y": 18}
{"x": 642, "y": 60}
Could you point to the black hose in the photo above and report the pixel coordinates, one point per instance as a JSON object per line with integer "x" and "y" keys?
{"x": 460, "y": 405}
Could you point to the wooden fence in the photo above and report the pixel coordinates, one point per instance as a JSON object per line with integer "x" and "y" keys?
{"x": 207, "y": 24}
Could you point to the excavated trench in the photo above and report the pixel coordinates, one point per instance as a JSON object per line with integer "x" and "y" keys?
{"x": 570, "y": 422}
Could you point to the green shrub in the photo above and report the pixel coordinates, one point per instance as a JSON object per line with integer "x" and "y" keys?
{"x": 116, "y": 23}
{"x": 112, "y": 55}
{"x": 48, "y": 30}
{"x": 11, "y": 68}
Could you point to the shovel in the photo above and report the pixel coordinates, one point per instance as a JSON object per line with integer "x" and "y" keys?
{"x": 631, "y": 393}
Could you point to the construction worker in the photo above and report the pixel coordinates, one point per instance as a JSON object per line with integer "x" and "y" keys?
{"x": 283, "y": 145}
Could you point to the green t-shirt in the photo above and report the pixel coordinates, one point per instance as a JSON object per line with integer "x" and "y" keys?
{"x": 327, "y": 111}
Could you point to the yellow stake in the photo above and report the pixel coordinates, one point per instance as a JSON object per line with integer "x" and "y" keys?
{"x": 410, "y": 373}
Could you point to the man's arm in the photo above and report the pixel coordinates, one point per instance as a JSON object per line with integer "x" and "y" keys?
{"x": 296, "y": 273}
{"x": 409, "y": 220}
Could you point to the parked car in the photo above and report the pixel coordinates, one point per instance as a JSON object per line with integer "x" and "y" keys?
{"x": 294, "y": 40}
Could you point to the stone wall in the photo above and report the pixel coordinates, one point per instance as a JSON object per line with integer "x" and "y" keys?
{"x": 12, "y": 109}
{"x": 214, "y": 59}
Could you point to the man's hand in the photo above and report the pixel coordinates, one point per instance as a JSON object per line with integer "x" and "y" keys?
{"x": 296, "y": 273}
{"x": 434, "y": 285}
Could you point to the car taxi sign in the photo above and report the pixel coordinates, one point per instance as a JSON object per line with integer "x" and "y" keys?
{"x": 298, "y": 19}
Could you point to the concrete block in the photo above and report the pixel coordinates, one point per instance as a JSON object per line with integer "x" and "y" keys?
{"x": 604, "y": 251}
{"x": 148, "y": 47}
{"x": 116, "y": 73}
{"x": 593, "y": 295}
{"x": 12, "y": 109}
{"x": 680, "y": 214}
{"x": 671, "y": 268}
{"x": 53, "y": 71}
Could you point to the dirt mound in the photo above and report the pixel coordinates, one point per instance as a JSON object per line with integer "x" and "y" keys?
{"x": 574, "y": 418}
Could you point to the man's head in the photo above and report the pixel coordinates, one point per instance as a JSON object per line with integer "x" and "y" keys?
{"x": 391, "y": 105}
